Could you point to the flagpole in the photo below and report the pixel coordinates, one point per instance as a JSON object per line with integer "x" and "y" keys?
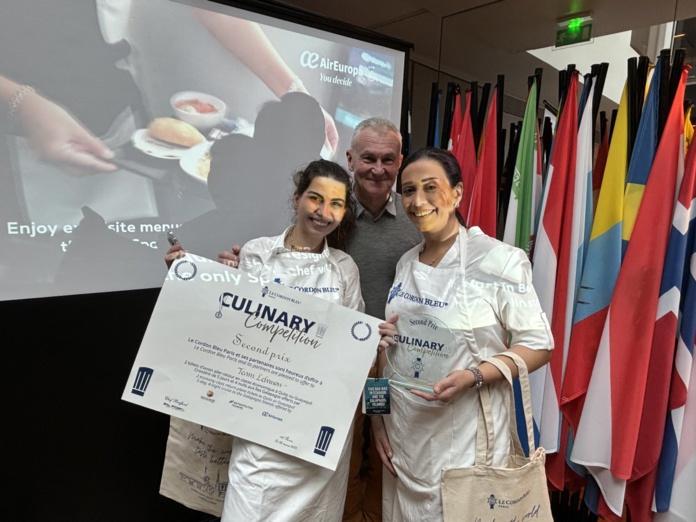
{"x": 447, "y": 117}
{"x": 483, "y": 105}
{"x": 665, "y": 101}
{"x": 632, "y": 86}
{"x": 538, "y": 74}
{"x": 473, "y": 110}
{"x": 678, "y": 57}
{"x": 509, "y": 169}
{"x": 642, "y": 78}
{"x": 547, "y": 143}
{"x": 599, "y": 89}
{"x": 432, "y": 117}
{"x": 588, "y": 81}
{"x": 569, "y": 73}
{"x": 500, "y": 93}
{"x": 602, "y": 124}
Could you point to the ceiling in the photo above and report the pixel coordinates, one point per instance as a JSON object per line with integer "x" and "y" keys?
{"x": 475, "y": 40}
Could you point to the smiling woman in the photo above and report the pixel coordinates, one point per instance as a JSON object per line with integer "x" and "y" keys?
{"x": 265, "y": 484}
{"x": 480, "y": 289}
{"x": 323, "y": 208}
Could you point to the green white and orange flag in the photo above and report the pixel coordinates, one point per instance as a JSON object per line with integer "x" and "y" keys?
{"x": 526, "y": 190}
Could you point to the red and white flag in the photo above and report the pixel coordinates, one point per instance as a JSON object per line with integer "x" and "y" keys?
{"x": 483, "y": 210}
{"x": 607, "y": 436}
{"x": 551, "y": 271}
{"x": 465, "y": 152}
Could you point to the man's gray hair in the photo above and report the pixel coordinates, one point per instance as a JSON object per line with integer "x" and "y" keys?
{"x": 378, "y": 124}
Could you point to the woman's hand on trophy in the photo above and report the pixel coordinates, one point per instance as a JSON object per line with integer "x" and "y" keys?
{"x": 448, "y": 388}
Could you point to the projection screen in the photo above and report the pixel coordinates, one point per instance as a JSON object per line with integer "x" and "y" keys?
{"x": 89, "y": 185}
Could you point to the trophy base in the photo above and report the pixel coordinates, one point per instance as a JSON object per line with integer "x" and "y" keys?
{"x": 412, "y": 386}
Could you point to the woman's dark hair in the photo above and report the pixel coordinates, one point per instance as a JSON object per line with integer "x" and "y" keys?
{"x": 448, "y": 163}
{"x": 340, "y": 237}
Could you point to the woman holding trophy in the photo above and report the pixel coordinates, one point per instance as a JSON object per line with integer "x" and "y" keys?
{"x": 461, "y": 297}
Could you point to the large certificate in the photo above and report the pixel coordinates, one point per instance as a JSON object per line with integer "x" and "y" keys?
{"x": 254, "y": 359}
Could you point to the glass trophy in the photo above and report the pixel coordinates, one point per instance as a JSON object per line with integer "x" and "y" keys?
{"x": 423, "y": 354}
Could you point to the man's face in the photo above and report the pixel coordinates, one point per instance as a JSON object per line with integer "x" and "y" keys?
{"x": 374, "y": 160}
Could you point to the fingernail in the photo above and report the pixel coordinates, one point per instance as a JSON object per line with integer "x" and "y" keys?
{"x": 108, "y": 154}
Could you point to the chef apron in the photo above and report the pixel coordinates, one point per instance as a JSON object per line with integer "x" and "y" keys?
{"x": 428, "y": 436}
{"x": 267, "y": 485}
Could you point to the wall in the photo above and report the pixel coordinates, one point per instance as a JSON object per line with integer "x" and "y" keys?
{"x": 72, "y": 450}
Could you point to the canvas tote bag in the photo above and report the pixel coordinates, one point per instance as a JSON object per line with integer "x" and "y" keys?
{"x": 483, "y": 493}
{"x": 195, "y": 466}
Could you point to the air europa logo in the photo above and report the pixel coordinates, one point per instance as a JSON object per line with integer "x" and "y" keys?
{"x": 312, "y": 60}
{"x": 309, "y": 60}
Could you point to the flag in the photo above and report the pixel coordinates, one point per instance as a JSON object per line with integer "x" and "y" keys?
{"x": 465, "y": 152}
{"x": 484, "y": 195}
{"x": 688, "y": 129}
{"x": 601, "y": 270}
{"x": 551, "y": 270}
{"x": 582, "y": 209}
{"x": 598, "y": 170}
{"x": 680, "y": 473}
{"x": 575, "y": 229}
{"x": 605, "y": 251}
{"x": 526, "y": 181}
{"x": 607, "y": 435}
{"x": 641, "y": 487}
{"x": 456, "y": 122}
{"x": 676, "y": 429}
{"x": 642, "y": 155}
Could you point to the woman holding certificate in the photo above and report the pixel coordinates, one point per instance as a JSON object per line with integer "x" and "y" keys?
{"x": 461, "y": 297}
{"x": 265, "y": 484}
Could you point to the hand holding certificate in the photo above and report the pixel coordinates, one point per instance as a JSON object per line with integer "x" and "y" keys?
{"x": 254, "y": 359}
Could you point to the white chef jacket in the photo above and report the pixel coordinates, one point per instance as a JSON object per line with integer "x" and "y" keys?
{"x": 482, "y": 291}
{"x": 264, "y": 484}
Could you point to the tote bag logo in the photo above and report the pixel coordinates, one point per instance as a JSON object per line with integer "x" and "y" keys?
{"x": 142, "y": 380}
{"x": 491, "y": 501}
{"x": 323, "y": 440}
{"x": 506, "y": 503}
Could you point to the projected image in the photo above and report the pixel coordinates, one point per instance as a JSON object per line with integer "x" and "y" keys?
{"x": 127, "y": 119}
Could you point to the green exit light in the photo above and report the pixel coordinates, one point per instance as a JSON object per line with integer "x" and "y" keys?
{"x": 574, "y": 31}
{"x": 574, "y": 25}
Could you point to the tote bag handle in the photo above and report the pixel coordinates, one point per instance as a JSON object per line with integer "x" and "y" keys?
{"x": 485, "y": 435}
